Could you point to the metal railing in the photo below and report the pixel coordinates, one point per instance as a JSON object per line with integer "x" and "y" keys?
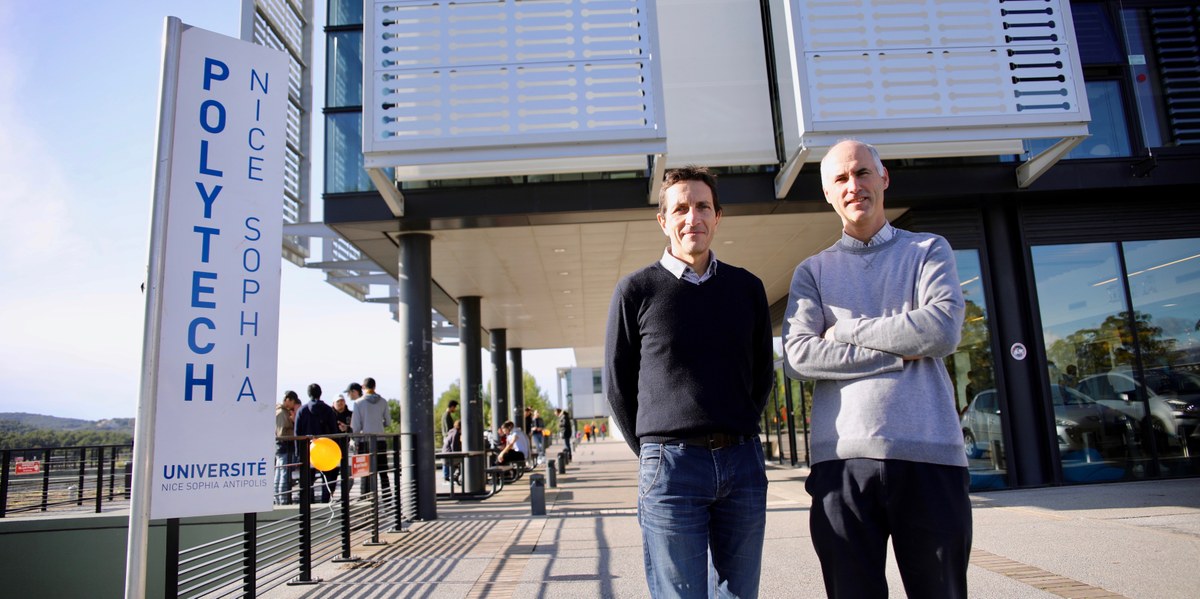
{"x": 64, "y": 478}
{"x": 265, "y": 554}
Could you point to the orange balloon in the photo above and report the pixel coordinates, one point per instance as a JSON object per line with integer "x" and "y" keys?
{"x": 324, "y": 454}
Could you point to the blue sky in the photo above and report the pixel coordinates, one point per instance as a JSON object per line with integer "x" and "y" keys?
{"x": 78, "y": 100}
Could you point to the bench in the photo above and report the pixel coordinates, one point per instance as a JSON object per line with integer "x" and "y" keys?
{"x": 500, "y": 474}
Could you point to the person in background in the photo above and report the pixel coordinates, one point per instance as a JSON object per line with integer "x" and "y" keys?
{"x": 285, "y": 451}
{"x": 372, "y": 416}
{"x": 448, "y": 422}
{"x": 516, "y": 448}
{"x": 565, "y": 427}
{"x": 343, "y": 414}
{"x": 316, "y": 419}
{"x": 536, "y": 434}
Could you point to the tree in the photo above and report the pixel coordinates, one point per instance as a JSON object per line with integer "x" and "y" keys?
{"x": 1111, "y": 345}
{"x": 536, "y": 399}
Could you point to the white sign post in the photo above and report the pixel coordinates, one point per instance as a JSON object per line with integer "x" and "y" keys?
{"x": 204, "y": 442}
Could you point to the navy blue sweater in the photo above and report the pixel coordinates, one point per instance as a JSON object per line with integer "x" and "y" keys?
{"x": 682, "y": 359}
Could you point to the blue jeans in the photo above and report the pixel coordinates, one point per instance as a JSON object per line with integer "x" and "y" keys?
{"x": 703, "y": 514}
{"x": 283, "y": 478}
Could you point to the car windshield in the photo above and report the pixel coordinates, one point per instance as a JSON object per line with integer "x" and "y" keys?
{"x": 1065, "y": 396}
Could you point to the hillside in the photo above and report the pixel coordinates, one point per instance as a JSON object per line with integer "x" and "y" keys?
{"x": 55, "y": 423}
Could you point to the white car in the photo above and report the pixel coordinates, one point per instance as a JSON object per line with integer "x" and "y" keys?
{"x": 1118, "y": 390}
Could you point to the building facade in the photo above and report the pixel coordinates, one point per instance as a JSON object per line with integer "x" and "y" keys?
{"x": 1055, "y": 146}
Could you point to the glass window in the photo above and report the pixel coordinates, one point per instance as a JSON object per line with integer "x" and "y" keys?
{"x": 1082, "y": 305}
{"x": 1164, "y": 282}
{"x": 973, "y": 376}
{"x": 343, "y": 154}
{"x": 1121, "y": 380}
{"x": 1097, "y": 42}
{"x": 1143, "y": 77}
{"x": 1110, "y": 136}
{"x": 344, "y": 70}
{"x": 345, "y": 12}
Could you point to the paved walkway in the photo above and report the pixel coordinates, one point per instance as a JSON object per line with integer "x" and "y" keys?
{"x": 1112, "y": 540}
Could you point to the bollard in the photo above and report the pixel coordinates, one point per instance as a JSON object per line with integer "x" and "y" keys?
{"x": 537, "y": 494}
{"x": 551, "y": 474}
{"x": 562, "y": 462}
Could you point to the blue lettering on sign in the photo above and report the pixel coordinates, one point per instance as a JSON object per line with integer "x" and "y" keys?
{"x": 253, "y": 168}
{"x": 212, "y": 118}
{"x": 214, "y": 70}
{"x": 197, "y": 323}
{"x": 205, "y": 112}
{"x": 206, "y": 232}
{"x": 190, "y": 382}
{"x": 247, "y": 390}
{"x": 204, "y": 168}
{"x": 199, "y": 288}
{"x": 208, "y": 198}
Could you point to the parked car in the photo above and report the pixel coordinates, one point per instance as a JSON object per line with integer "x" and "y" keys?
{"x": 1119, "y": 390}
{"x": 1079, "y": 421}
{"x": 1181, "y": 391}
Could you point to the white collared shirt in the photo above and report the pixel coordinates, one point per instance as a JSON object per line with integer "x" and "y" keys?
{"x": 884, "y": 234}
{"x": 683, "y": 271}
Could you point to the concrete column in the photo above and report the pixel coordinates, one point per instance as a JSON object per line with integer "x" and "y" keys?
{"x": 471, "y": 404}
{"x": 417, "y": 483}
{"x": 499, "y": 378}
{"x": 518, "y": 388}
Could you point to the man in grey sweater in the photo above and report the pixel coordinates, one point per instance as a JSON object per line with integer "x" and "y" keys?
{"x": 371, "y": 416}
{"x": 869, "y": 320}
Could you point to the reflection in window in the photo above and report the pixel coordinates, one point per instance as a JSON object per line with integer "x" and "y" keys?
{"x": 343, "y": 154}
{"x": 344, "y": 70}
{"x": 1109, "y": 134}
{"x": 345, "y": 12}
{"x": 1126, "y": 363}
{"x": 972, "y": 374}
{"x": 1164, "y": 282}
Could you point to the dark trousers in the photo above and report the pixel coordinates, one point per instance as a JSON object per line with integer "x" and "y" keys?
{"x": 924, "y": 508}
{"x": 379, "y": 464}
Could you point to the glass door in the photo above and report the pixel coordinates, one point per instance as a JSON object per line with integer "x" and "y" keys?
{"x": 973, "y": 375}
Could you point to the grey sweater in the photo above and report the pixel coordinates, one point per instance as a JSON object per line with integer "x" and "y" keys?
{"x": 371, "y": 415}
{"x": 882, "y": 302}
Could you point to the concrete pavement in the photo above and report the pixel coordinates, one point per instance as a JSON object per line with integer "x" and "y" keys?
{"x": 1111, "y": 540}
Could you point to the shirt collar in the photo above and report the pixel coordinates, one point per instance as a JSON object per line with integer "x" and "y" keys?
{"x": 884, "y": 234}
{"x": 681, "y": 269}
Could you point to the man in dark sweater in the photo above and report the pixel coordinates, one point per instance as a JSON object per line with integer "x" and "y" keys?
{"x": 688, "y": 367}
{"x": 316, "y": 419}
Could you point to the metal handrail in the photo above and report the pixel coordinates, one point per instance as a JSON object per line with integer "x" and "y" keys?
{"x": 60, "y": 477}
{"x": 287, "y": 550}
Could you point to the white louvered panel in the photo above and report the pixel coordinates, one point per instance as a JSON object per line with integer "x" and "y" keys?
{"x": 430, "y": 34}
{"x": 945, "y": 83}
{"x": 478, "y": 74}
{"x": 883, "y": 60}
{"x": 507, "y": 100}
{"x": 287, "y": 20}
{"x": 894, "y": 24}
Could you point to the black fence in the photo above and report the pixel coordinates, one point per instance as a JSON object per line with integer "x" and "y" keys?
{"x": 271, "y": 549}
{"x": 267, "y": 553}
{"x": 64, "y": 478}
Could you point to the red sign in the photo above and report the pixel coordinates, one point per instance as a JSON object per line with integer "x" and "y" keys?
{"x": 360, "y": 465}
{"x": 30, "y": 467}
